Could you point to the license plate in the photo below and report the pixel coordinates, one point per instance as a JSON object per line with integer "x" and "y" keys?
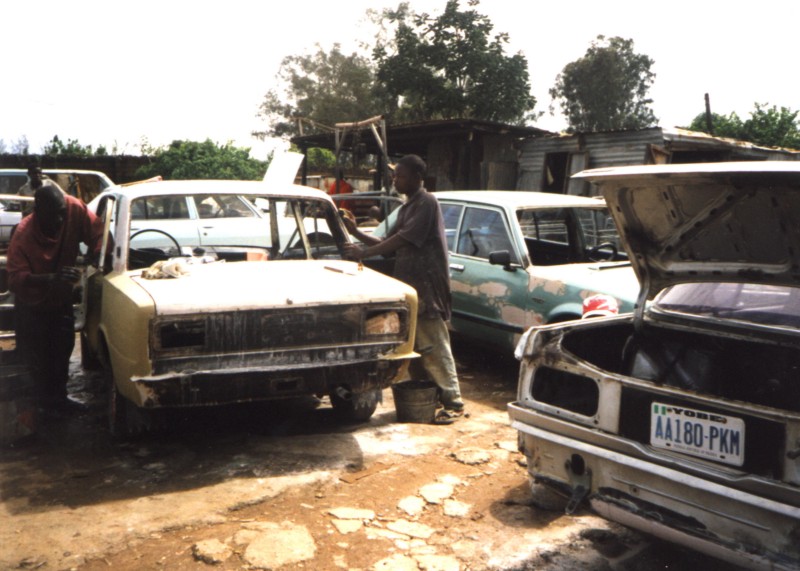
{"x": 698, "y": 433}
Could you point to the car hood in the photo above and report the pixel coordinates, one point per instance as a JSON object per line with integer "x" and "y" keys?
{"x": 242, "y": 286}
{"x": 720, "y": 222}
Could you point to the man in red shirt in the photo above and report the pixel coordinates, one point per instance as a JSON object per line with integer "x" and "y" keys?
{"x": 42, "y": 274}
{"x": 341, "y": 186}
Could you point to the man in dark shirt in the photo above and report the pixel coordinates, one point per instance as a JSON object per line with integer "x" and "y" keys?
{"x": 41, "y": 274}
{"x": 418, "y": 241}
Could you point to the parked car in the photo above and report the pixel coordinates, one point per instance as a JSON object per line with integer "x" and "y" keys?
{"x": 197, "y": 216}
{"x": 215, "y": 317}
{"x": 683, "y": 419}
{"x": 519, "y": 259}
{"x": 82, "y": 184}
{"x": 11, "y": 207}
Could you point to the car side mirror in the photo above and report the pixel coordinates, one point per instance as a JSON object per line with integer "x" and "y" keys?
{"x": 502, "y": 258}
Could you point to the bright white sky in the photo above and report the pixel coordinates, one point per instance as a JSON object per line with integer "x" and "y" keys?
{"x": 117, "y": 73}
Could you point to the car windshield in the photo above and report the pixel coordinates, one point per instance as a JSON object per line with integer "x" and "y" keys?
{"x": 231, "y": 227}
{"x": 750, "y": 303}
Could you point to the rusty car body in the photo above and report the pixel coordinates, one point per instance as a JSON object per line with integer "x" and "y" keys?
{"x": 519, "y": 259}
{"x": 683, "y": 419}
{"x": 205, "y": 320}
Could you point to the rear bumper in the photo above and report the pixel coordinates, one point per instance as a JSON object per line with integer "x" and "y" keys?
{"x": 708, "y": 516}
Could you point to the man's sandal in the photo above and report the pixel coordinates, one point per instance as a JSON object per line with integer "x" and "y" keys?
{"x": 447, "y": 416}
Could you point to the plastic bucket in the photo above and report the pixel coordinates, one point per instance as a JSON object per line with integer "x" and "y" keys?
{"x": 415, "y": 401}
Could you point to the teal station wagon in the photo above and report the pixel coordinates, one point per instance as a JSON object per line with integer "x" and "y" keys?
{"x": 520, "y": 259}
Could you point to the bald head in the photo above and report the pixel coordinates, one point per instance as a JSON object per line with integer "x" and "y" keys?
{"x": 50, "y": 207}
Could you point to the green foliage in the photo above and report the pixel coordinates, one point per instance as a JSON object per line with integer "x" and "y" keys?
{"x": 320, "y": 159}
{"x": 451, "y": 66}
{"x": 206, "y": 160}
{"x": 607, "y": 88}
{"x": 767, "y": 126}
{"x": 323, "y": 88}
{"x": 72, "y": 148}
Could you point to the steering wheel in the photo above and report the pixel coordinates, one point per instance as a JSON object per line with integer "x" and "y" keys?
{"x": 595, "y": 253}
{"x": 170, "y": 236}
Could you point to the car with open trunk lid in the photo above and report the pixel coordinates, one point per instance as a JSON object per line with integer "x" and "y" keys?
{"x": 683, "y": 418}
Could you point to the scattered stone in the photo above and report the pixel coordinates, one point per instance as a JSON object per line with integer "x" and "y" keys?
{"x": 454, "y": 508}
{"x": 411, "y": 505}
{"x": 286, "y": 544}
{"x": 411, "y": 528}
{"x": 507, "y": 445}
{"x": 437, "y": 563}
{"x": 373, "y": 533}
{"x": 352, "y": 513}
{"x": 346, "y": 526}
{"x": 396, "y": 563}
{"x": 245, "y": 536}
{"x": 466, "y": 549}
{"x": 211, "y": 551}
{"x": 420, "y": 547}
{"x": 450, "y": 479}
{"x": 436, "y": 493}
{"x": 472, "y": 456}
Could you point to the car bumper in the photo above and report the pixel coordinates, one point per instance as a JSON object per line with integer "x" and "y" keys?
{"x": 215, "y": 387}
{"x": 725, "y": 522}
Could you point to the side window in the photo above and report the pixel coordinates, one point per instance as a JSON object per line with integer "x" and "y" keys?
{"x": 159, "y": 208}
{"x": 222, "y": 206}
{"x": 452, "y": 215}
{"x": 482, "y": 232}
{"x": 545, "y": 225}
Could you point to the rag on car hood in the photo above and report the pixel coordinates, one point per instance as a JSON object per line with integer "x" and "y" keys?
{"x": 720, "y": 222}
{"x": 259, "y": 285}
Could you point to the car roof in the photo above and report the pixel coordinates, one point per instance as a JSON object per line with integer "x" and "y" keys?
{"x": 192, "y": 187}
{"x": 521, "y": 199}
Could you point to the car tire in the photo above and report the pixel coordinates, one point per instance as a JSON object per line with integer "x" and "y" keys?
{"x": 89, "y": 360}
{"x": 355, "y": 407}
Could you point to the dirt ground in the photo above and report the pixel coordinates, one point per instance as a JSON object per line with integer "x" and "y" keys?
{"x": 418, "y": 496}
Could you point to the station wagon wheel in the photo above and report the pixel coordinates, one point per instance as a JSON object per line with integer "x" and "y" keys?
{"x": 604, "y": 251}
{"x": 355, "y": 407}
{"x": 168, "y": 235}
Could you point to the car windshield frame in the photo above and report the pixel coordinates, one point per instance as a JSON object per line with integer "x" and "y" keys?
{"x": 738, "y": 304}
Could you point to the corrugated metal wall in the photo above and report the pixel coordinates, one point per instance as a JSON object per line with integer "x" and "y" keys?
{"x": 604, "y": 149}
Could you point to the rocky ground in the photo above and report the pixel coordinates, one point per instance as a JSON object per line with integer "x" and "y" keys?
{"x": 287, "y": 487}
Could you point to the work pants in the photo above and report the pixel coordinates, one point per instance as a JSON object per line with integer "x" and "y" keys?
{"x": 436, "y": 362}
{"x": 45, "y": 340}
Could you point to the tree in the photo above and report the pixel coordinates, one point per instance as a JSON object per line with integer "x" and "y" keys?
{"x": 72, "y": 148}
{"x": 323, "y": 88}
{"x": 451, "y": 66}
{"x": 607, "y": 88}
{"x": 767, "y": 126}
{"x": 20, "y": 146}
{"x": 206, "y": 160}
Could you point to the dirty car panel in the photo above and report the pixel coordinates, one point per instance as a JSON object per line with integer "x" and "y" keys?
{"x": 683, "y": 420}
{"x": 177, "y": 322}
{"x": 520, "y": 259}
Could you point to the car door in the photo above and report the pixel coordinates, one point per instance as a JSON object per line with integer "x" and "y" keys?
{"x": 490, "y": 301}
{"x": 154, "y": 219}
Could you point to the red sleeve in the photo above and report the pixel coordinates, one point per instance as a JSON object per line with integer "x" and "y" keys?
{"x": 17, "y": 263}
